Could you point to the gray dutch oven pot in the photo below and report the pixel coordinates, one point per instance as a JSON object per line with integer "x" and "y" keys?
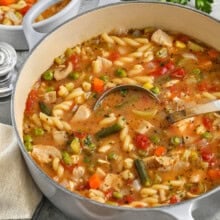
{"x": 77, "y": 30}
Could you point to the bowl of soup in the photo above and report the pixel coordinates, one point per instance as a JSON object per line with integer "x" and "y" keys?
{"x": 119, "y": 161}
{"x": 49, "y": 15}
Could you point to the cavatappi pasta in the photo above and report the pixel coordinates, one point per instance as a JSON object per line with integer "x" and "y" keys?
{"x": 13, "y": 11}
{"x": 121, "y": 154}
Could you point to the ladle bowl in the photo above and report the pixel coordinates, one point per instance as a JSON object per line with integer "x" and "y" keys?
{"x": 213, "y": 106}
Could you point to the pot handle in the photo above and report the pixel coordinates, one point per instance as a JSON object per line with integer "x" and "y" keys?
{"x": 181, "y": 211}
{"x": 31, "y": 35}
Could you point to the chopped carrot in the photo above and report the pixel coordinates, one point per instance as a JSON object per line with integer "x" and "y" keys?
{"x": 7, "y": 2}
{"x": 31, "y": 1}
{"x": 205, "y": 64}
{"x": 213, "y": 54}
{"x": 159, "y": 151}
{"x": 95, "y": 181}
{"x": 214, "y": 174}
{"x": 98, "y": 85}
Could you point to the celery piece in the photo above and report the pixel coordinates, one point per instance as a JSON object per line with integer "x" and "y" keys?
{"x": 75, "y": 145}
{"x": 66, "y": 158}
{"x": 195, "y": 47}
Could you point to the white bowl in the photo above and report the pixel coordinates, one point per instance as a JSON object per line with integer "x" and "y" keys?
{"x": 14, "y": 34}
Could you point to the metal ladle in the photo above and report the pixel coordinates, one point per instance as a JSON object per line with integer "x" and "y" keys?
{"x": 171, "y": 118}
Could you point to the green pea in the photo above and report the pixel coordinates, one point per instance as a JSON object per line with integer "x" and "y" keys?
{"x": 50, "y": 89}
{"x": 207, "y": 135}
{"x": 155, "y": 139}
{"x": 120, "y": 72}
{"x": 155, "y": 90}
{"x": 176, "y": 140}
{"x": 58, "y": 60}
{"x": 28, "y": 146}
{"x": 74, "y": 75}
{"x": 38, "y": 131}
{"x": 28, "y": 139}
{"x": 69, "y": 52}
{"x": 112, "y": 156}
{"x": 105, "y": 78}
{"x": 48, "y": 75}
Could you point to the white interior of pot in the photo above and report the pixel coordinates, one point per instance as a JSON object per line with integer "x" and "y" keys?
{"x": 131, "y": 15}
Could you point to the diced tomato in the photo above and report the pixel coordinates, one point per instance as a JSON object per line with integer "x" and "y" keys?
{"x": 178, "y": 73}
{"x": 160, "y": 71}
{"x": 207, "y": 155}
{"x": 210, "y": 87}
{"x": 108, "y": 193}
{"x": 74, "y": 59}
{"x": 79, "y": 134}
{"x": 142, "y": 141}
{"x": 67, "y": 167}
{"x": 170, "y": 65}
{"x": 32, "y": 97}
{"x": 173, "y": 199}
{"x": 114, "y": 55}
{"x": 128, "y": 199}
{"x": 207, "y": 122}
{"x": 203, "y": 86}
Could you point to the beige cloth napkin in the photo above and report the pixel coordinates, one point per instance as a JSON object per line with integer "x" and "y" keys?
{"x": 19, "y": 196}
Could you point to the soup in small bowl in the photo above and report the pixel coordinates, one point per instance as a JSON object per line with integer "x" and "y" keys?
{"x": 48, "y": 15}
{"x": 13, "y": 11}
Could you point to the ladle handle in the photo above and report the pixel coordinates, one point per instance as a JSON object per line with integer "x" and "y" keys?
{"x": 213, "y": 106}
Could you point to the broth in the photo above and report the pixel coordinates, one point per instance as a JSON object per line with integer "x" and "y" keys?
{"x": 121, "y": 154}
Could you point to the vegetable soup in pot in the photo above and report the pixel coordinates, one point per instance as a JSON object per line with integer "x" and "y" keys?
{"x": 13, "y": 11}
{"x": 121, "y": 154}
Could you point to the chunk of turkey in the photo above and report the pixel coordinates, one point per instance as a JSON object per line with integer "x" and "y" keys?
{"x": 112, "y": 181}
{"x": 45, "y": 153}
{"x": 60, "y": 74}
{"x": 82, "y": 113}
{"x": 162, "y": 38}
{"x": 50, "y": 97}
{"x": 162, "y": 161}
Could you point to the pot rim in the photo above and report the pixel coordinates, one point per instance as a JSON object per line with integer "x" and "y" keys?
{"x": 60, "y": 187}
{"x": 44, "y": 22}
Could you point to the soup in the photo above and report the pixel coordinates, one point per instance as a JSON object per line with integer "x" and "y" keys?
{"x": 121, "y": 154}
{"x": 13, "y": 11}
